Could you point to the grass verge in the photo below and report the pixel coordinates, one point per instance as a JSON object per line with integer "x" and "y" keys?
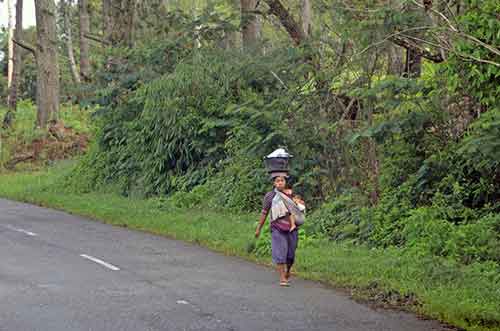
{"x": 464, "y": 296}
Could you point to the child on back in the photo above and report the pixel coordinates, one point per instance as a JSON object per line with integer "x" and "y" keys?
{"x": 298, "y": 201}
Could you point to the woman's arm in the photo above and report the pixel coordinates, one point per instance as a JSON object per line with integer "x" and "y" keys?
{"x": 266, "y": 207}
{"x": 262, "y": 220}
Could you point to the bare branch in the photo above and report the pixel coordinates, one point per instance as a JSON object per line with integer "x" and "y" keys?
{"x": 346, "y": 109}
{"x": 96, "y": 38}
{"x": 279, "y": 79}
{"x": 291, "y": 26}
{"x": 392, "y": 35}
{"x": 456, "y": 30}
{"x": 401, "y": 39}
{"x": 24, "y": 45}
{"x": 464, "y": 56}
{"x": 479, "y": 42}
{"x": 443, "y": 16}
{"x": 403, "y": 42}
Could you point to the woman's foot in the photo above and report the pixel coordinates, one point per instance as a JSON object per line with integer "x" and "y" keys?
{"x": 282, "y": 268}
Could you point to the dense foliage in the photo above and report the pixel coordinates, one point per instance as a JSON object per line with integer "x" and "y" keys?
{"x": 386, "y": 155}
{"x": 382, "y": 160}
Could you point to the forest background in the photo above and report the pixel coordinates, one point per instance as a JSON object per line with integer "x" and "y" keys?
{"x": 390, "y": 107}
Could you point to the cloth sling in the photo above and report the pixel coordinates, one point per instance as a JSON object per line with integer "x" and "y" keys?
{"x": 282, "y": 205}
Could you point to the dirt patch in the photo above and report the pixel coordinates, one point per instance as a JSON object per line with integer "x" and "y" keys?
{"x": 58, "y": 143}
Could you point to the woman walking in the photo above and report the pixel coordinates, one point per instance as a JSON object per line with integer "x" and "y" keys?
{"x": 283, "y": 240}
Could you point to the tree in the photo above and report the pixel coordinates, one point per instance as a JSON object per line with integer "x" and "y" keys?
{"x": 306, "y": 17}
{"x": 291, "y": 26}
{"x": 16, "y": 66}
{"x": 106, "y": 20}
{"x": 233, "y": 38}
{"x": 10, "y": 54}
{"x": 395, "y": 65}
{"x": 83, "y": 11}
{"x": 47, "y": 96}
{"x": 118, "y": 22}
{"x": 414, "y": 42}
{"x": 121, "y": 20}
{"x": 413, "y": 64}
{"x": 250, "y": 27}
{"x": 65, "y": 9}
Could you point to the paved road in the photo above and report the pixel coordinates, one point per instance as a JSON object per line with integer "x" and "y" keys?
{"x": 62, "y": 272}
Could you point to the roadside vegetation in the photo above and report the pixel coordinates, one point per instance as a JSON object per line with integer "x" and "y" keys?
{"x": 391, "y": 109}
{"x": 463, "y": 295}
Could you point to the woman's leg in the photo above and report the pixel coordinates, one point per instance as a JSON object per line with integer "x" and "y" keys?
{"x": 292, "y": 242}
{"x": 288, "y": 272}
{"x": 279, "y": 248}
{"x": 282, "y": 272}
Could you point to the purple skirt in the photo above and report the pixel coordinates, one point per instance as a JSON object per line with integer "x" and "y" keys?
{"x": 283, "y": 246}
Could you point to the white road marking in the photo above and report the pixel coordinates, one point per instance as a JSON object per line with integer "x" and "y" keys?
{"x": 101, "y": 262}
{"x": 182, "y": 302}
{"x": 29, "y": 233}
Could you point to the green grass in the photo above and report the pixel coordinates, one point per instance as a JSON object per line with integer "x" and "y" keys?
{"x": 465, "y": 296}
{"x": 24, "y": 123}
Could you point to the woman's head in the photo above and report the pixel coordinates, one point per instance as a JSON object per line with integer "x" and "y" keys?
{"x": 279, "y": 182}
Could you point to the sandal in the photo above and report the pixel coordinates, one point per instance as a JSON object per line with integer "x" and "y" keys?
{"x": 284, "y": 284}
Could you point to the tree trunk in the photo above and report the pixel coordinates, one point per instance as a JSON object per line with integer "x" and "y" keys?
{"x": 47, "y": 82}
{"x": 10, "y": 59}
{"x": 69, "y": 40}
{"x": 16, "y": 63}
{"x": 83, "y": 10}
{"x": 235, "y": 36}
{"x": 250, "y": 27}
{"x": 194, "y": 14}
{"x": 414, "y": 50}
{"x": 106, "y": 20}
{"x": 413, "y": 65}
{"x": 291, "y": 26}
{"x": 122, "y": 22}
{"x": 16, "y": 67}
{"x": 231, "y": 38}
{"x": 306, "y": 18}
{"x": 395, "y": 60}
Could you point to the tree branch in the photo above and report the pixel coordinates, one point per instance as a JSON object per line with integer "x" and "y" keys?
{"x": 456, "y": 30}
{"x": 96, "y": 38}
{"x": 279, "y": 79}
{"x": 403, "y": 42}
{"x": 24, "y": 45}
{"x": 443, "y": 16}
{"x": 277, "y": 9}
{"x": 479, "y": 42}
{"x": 389, "y": 38}
{"x": 397, "y": 39}
{"x": 464, "y": 56}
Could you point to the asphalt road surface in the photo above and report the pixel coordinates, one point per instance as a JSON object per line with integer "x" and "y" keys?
{"x": 62, "y": 272}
